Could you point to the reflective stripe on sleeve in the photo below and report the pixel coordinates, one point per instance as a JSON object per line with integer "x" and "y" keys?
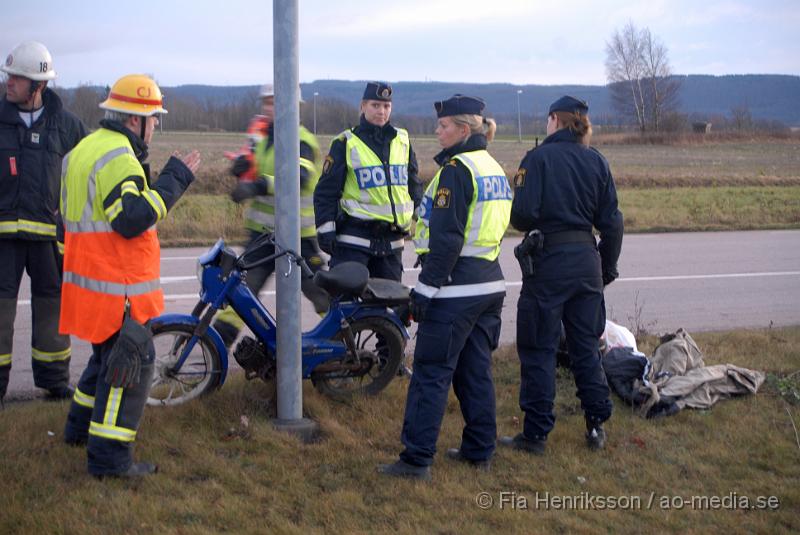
{"x": 5, "y": 360}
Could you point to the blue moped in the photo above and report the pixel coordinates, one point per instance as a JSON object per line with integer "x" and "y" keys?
{"x": 356, "y": 348}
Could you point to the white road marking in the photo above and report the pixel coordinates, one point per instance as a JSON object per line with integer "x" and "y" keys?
{"x": 179, "y": 297}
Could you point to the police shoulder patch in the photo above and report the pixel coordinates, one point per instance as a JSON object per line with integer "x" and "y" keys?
{"x": 328, "y": 164}
{"x": 519, "y": 178}
{"x": 442, "y": 198}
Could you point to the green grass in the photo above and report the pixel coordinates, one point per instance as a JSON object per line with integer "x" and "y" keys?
{"x": 218, "y": 475}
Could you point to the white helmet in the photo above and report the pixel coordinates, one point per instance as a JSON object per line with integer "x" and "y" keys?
{"x": 268, "y": 90}
{"x": 30, "y": 60}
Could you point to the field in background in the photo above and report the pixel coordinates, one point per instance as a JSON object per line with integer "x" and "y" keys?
{"x": 725, "y": 185}
{"x": 224, "y": 469}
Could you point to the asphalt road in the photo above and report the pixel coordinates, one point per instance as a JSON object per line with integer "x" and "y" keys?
{"x": 700, "y": 281}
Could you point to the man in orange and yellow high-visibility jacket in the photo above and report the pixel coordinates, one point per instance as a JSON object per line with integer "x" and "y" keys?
{"x": 111, "y": 268}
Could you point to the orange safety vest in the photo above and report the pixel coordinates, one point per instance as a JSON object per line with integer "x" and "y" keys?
{"x": 102, "y": 268}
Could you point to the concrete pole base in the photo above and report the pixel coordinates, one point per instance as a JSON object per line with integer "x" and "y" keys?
{"x": 305, "y": 429}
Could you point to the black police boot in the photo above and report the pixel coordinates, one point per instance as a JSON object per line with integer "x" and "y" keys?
{"x": 59, "y": 393}
{"x": 227, "y": 332}
{"x": 595, "y": 435}
{"x": 454, "y": 454}
{"x": 522, "y": 443}
{"x": 401, "y": 468}
{"x": 135, "y": 470}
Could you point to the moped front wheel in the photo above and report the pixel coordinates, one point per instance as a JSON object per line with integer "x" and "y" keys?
{"x": 199, "y": 375}
{"x": 380, "y": 347}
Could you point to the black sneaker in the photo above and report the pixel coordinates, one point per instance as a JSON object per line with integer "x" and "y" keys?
{"x": 483, "y": 465}
{"x": 59, "y": 393}
{"x": 595, "y": 437}
{"x": 522, "y": 443}
{"x": 403, "y": 469}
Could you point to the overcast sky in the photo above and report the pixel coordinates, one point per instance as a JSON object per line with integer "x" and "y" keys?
{"x": 516, "y": 41}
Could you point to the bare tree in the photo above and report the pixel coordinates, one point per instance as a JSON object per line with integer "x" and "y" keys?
{"x": 640, "y": 77}
{"x": 741, "y": 117}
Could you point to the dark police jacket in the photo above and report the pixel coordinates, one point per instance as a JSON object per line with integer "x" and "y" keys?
{"x": 30, "y": 167}
{"x": 442, "y": 265}
{"x": 565, "y": 185}
{"x": 334, "y": 173}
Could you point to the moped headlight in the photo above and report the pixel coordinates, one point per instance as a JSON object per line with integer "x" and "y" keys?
{"x": 200, "y": 268}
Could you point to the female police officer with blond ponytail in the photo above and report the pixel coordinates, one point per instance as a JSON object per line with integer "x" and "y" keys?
{"x": 563, "y": 189}
{"x": 460, "y": 292}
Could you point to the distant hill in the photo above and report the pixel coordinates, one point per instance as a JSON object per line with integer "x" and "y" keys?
{"x": 774, "y": 97}
{"x": 768, "y": 96}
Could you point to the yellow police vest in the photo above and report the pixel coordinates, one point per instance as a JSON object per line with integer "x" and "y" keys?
{"x": 489, "y": 209}
{"x": 261, "y": 213}
{"x": 367, "y": 189}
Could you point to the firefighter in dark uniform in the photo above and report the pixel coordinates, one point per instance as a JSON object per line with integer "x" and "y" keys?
{"x": 35, "y": 134}
{"x": 459, "y": 296}
{"x": 365, "y": 199}
{"x": 564, "y": 188}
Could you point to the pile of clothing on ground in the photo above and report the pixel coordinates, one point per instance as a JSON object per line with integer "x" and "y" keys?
{"x": 675, "y": 377}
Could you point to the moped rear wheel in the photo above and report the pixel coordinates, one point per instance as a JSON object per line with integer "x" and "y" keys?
{"x": 376, "y": 339}
{"x": 199, "y": 375}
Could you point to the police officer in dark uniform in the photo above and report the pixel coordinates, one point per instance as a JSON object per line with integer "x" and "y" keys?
{"x": 459, "y": 295}
{"x": 366, "y": 197}
{"x": 564, "y": 188}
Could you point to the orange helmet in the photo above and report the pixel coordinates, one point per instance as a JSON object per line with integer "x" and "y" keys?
{"x": 135, "y": 94}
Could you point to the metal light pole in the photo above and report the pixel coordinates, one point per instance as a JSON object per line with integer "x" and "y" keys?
{"x": 519, "y": 117}
{"x": 287, "y": 218}
{"x": 315, "y": 112}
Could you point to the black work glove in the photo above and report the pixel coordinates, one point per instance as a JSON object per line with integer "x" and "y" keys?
{"x": 609, "y": 275}
{"x": 419, "y": 306}
{"x": 246, "y": 190}
{"x": 240, "y": 166}
{"x": 327, "y": 241}
{"x": 125, "y": 360}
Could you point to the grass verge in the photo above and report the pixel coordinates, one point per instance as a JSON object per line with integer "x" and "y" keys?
{"x": 220, "y": 475}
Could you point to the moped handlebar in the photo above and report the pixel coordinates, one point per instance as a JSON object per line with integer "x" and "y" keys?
{"x": 267, "y": 238}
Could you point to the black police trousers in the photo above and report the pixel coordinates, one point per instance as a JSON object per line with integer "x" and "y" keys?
{"x": 50, "y": 351}
{"x": 105, "y": 418}
{"x": 454, "y": 345}
{"x": 542, "y": 306}
{"x": 383, "y": 267}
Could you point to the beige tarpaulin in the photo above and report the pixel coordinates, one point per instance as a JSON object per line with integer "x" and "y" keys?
{"x": 690, "y": 381}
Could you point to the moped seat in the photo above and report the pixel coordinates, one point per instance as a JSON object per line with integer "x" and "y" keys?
{"x": 386, "y": 291}
{"x": 347, "y": 279}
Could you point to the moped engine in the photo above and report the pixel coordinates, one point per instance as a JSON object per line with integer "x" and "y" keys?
{"x": 255, "y": 359}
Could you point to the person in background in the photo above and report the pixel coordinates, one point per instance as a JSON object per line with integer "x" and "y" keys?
{"x": 35, "y": 134}
{"x": 260, "y": 215}
{"x": 563, "y": 189}
{"x": 459, "y": 296}
{"x": 112, "y": 263}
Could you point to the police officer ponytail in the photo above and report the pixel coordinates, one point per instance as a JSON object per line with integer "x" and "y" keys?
{"x": 578, "y": 123}
{"x": 478, "y": 124}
